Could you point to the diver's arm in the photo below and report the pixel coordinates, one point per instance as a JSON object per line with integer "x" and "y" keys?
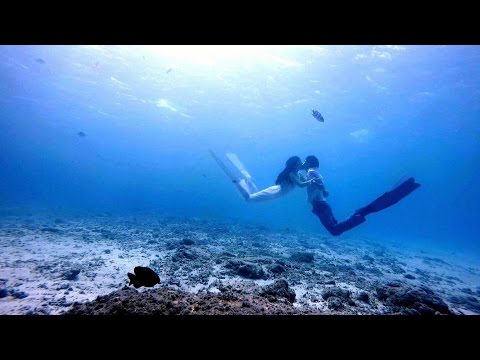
{"x": 325, "y": 192}
{"x": 322, "y": 187}
{"x": 319, "y": 182}
{"x": 296, "y": 180}
{"x": 301, "y": 176}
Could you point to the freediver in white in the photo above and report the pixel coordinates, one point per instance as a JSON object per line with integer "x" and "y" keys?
{"x": 285, "y": 182}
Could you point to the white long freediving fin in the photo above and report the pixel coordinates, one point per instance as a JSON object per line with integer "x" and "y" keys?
{"x": 220, "y": 163}
{"x": 235, "y": 161}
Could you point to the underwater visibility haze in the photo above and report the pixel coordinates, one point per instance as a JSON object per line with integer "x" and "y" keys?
{"x": 128, "y": 131}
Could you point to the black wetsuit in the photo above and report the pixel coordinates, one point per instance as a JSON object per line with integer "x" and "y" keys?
{"x": 324, "y": 212}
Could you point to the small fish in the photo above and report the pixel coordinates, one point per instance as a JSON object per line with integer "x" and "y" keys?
{"x": 81, "y": 134}
{"x": 204, "y": 175}
{"x": 316, "y": 114}
{"x": 40, "y": 61}
{"x": 169, "y": 70}
{"x": 143, "y": 277}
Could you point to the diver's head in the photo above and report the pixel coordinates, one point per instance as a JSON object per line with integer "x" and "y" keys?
{"x": 311, "y": 161}
{"x": 293, "y": 163}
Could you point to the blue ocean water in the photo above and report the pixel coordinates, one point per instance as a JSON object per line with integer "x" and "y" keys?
{"x": 150, "y": 113}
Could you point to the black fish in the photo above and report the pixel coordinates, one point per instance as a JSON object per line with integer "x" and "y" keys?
{"x": 40, "y": 61}
{"x": 143, "y": 277}
{"x": 81, "y": 134}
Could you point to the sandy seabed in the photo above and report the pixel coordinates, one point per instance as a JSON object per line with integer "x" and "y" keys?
{"x": 79, "y": 265}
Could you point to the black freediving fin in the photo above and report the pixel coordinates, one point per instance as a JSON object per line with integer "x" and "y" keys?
{"x": 390, "y": 197}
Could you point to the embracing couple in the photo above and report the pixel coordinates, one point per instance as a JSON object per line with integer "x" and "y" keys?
{"x": 291, "y": 176}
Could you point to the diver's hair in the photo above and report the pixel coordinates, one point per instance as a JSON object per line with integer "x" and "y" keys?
{"x": 284, "y": 176}
{"x": 312, "y": 161}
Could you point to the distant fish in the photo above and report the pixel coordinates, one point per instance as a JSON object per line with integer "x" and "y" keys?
{"x": 316, "y": 114}
{"x": 204, "y": 175}
{"x": 169, "y": 70}
{"x": 81, "y": 134}
{"x": 143, "y": 277}
{"x": 40, "y": 61}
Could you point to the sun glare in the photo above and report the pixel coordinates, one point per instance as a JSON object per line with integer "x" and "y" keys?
{"x": 224, "y": 54}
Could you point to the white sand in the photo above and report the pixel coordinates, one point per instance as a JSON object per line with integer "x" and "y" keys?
{"x": 33, "y": 261}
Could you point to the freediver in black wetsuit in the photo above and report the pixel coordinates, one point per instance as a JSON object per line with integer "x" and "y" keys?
{"x": 317, "y": 197}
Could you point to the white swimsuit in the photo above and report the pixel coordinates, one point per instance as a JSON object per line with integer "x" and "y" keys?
{"x": 272, "y": 192}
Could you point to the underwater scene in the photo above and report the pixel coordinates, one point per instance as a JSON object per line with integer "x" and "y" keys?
{"x": 239, "y": 179}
